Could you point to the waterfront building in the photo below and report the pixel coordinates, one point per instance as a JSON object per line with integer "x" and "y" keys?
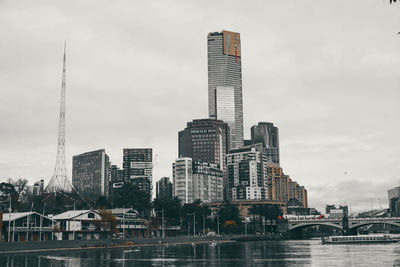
{"x": 91, "y": 174}
{"x": 164, "y": 188}
{"x": 138, "y": 167}
{"x": 205, "y": 140}
{"x": 225, "y": 82}
{"x": 245, "y": 175}
{"x": 197, "y": 180}
{"x": 26, "y": 226}
{"x": 394, "y": 201}
{"x": 267, "y": 134}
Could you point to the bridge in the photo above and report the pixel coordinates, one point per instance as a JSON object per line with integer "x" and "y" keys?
{"x": 340, "y": 223}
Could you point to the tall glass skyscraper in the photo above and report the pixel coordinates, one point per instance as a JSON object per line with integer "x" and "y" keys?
{"x": 225, "y": 82}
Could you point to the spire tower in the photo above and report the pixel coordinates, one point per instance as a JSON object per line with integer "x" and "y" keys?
{"x": 59, "y": 180}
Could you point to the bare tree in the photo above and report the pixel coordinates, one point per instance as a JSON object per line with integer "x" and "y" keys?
{"x": 20, "y": 186}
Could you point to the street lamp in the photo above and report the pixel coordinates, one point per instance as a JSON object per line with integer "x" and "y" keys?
{"x": 194, "y": 222}
{"x": 162, "y": 222}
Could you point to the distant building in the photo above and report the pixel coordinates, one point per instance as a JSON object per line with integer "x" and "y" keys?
{"x": 91, "y": 174}
{"x": 116, "y": 181}
{"x": 394, "y": 201}
{"x": 205, "y": 140}
{"x": 336, "y": 212}
{"x": 267, "y": 134}
{"x": 164, "y": 188}
{"x": 225, "y": 82}
{"x": 138, "y": 168}
{"x": 251, "y": 175}
{"x": 197, "y": 180}
{"x": 36, "y": 189}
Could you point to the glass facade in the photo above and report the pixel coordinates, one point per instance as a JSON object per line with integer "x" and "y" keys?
{"x": 225, "y": 70}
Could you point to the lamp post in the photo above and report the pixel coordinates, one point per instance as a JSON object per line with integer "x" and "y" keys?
{"x": 194, "y": 222}
{"x": 217, "y": 224}
{"x": 9, "y": 221}
{"x": 162, "y": 222}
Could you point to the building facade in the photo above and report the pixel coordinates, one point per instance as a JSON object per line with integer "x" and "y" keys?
{"x": 91, "y": 174}
{"x": 197, "y": 180}
{"x": 116, "y": 181}
{"x": 394, "y": 201}
{"x": 164, "y": 188}
{"x": 225, "y": 101}
{"x": 205, "y": 140}
{"x": 245, "y": 174}
{"x": 138, "y": 167}
{"x": 267, "y": 134}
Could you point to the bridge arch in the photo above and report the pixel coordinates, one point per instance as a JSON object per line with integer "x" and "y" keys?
{"x": 355, "y": 226}
{"x": 303, "y": 225}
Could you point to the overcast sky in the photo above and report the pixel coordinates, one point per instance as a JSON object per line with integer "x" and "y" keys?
{"x": 325, "y": 72}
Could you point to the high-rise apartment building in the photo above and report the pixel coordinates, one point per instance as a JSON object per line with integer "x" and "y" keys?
{"x": 138, "y": 167}
{"x": 205, "y": 140}
{"x": 245, "y": 174}
{"x": 225, "y": 101}
{"x": 267, "y": 134}
{"x": 91, "y": 174}
{"x": 116, "y": 181}
{"x": 164, "y": 188}
{"x": 197, "y": 180}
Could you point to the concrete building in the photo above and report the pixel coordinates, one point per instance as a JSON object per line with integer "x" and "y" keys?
{"x": 197, "y": 180}
{"x": 91, "y": 174}
{"x": 205, "y": 140}
{"x": 138, "y": 167}
{"x": 267, "y": 134}
{"x": 116, "y": 181}
{"x": 245, "y": 175}
{"x": 225, "y": 82}
{"x": 164, "y": 188}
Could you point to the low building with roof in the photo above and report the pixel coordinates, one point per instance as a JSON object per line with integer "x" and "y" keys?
{"x": 27, "y": 226}
{"x": 78, "y": 224}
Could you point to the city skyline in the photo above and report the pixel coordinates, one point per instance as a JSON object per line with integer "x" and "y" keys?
{"x": 331, "y": 88}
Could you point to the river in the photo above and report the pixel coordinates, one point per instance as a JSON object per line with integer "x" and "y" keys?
{"x": 260, "y": 253}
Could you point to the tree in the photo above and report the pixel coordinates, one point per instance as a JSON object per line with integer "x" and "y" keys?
{"x": 7, "y": 192}
{"x": 393, "y": 1}
{"x": 229, "y": 218}
{"x": 108, "y": 221}
{"x": 131, "y": 196}
{"x": 20, "y": 187}
{"x": 102, "y": 203}
{"x": 198, "y": 211}
{"x": 172, "y": 209}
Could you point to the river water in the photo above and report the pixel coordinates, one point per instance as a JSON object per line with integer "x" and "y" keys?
{"x": 260, "y": 253}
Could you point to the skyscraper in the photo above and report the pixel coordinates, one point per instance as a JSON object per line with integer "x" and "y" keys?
{"x": 138, "y": 167}
{"x": 91, "y": 174}
{"x": 205, "y": 140}
{"x": 225, "y": 82}
{"x": 164, "y": 188}
{"x": 267, "y": 134}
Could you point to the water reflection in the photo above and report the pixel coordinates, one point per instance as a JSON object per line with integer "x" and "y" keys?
{"x": 279, "y": 253}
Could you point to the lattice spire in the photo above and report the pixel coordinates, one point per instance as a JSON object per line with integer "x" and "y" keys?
{"x": 60, "y": 180}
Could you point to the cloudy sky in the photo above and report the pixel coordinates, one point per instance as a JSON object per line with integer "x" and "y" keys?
{"x": 325, "y": 72}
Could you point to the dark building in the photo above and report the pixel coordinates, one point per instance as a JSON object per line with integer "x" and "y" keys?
{"x": 116, "y": 180}
{"x": 205, "y": 140}
{"x": 138, "y": 167}
{"x": 90, "y": 174}
{"x": 267, "y": 134}
{"x": 394, "y": 201}
{"x": 225, "y": 101}
{"x": 164, "y": 188}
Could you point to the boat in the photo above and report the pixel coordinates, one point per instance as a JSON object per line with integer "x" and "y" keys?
{"x": 357, "y": 239}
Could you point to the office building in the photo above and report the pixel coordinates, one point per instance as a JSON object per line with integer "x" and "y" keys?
{"x": 116, "y": 181}
{"x": 197, "y": 180}
{"x": 90, "y": 174}
{"x": 205, "y": 140}
{"x": 225, "y": 100}
{"x": 138, "y": 167}
{"x": 164, "y": 188}
{"x": 267, "y": 134}
{"x": 394, "y": 201}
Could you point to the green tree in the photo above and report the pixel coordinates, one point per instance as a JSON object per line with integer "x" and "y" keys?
{"x": 229, "y": 218}
{"x": 201, "y": 213}
{"x": 131, "y": 196}
{"x": 172, "y": 209}
{"x": 102, "y": 203}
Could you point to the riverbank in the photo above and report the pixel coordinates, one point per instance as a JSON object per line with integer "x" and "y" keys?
{"x": 71, "y": 245}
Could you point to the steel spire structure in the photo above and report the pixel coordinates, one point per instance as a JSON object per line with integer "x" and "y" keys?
{"x": 60, "y": 180}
